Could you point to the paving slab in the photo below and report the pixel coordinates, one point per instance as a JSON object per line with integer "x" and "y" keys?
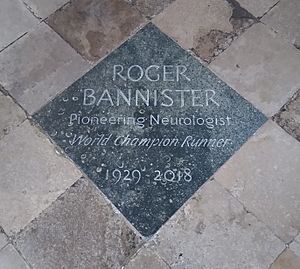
{"x": 284, "y": 18}
{"x": 11, "y": 259}
{"x": 286, "y": 260}
{"x": 79, "y": 230}
{"x": 289, "y": 116}
{"x": 94, "y": 28}
{"x": 259, "y": 7}
{"x": 43, "y": 8}
{"x": 15, "y": 20}
{"x": 146, "y": 259}
{"x": 39, "y": 66}
{"x": 11, "y": 115}
{"x": 214, "y": 231}
{"x": 295, "y": 245}
{"x": 204, "y": 26}
{"x": 264, "y": 176}
{"x": 3, "y": 239}
{"x": 149, "y": 141}
{"x": 32, "y": 176}
{"x": 266, "y": 73}
{"x": 150, "y": 8}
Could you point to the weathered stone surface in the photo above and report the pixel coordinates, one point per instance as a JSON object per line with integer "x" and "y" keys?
{"x": 79, "y": 230}
{"x": 142, "y": 155}
{"x": 266, "y": 73}
{"x": 94, "y": 28}
{"x": 150, "y": 7}
{"x": 289, "y": 116}
{"x": 43, "y": 8}
{"x": 32, "y": 176}
{"x": 15, "y": 20}
{"x": 11, "y": 115}
{"x": 11, "y": 259}
{"x": 264, "y": 176}
{"x": 286, "y": 260}
{"x": 39, "y": 66}
{"x": 284, "y": 18}
{"x": 295, "y": 245}
{"x": 3, "y": 239}
{"x": 146, "y": 259}
{"x": 258, "y": 7}
{"x": 205, "y": 26}
{"x": 214, "y": 231}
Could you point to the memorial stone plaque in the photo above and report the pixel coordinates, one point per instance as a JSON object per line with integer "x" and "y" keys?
{"x": 149, "y": 125}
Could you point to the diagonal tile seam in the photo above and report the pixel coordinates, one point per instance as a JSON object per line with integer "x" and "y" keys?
{"x": 92, "y": 63}
{"x": 36, "y": 15}
{"x": 61, "y": 152}
{"x": 269, "y": 267}
{"x": 11, "y": 43}
{"x": 144, "y": 240}
{"x": 144, "y": 246}
{"x": 269, "y": 10}
{"x": 10, "y": 241}
{"x": 283, "y": 108}
{"x": 250, "y": 212}
{"x": 7, "y": 238}
{"x": 22, "y": 256}
{"x": 31, "y": 10}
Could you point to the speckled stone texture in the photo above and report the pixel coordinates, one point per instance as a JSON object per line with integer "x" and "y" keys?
{"x": 284, "y": 18}
{"x": 214, "y": 231}
{"x": 80, "y": 230}
{"x": 11, "y": 115}
{"x": 264, "y": 176}
{"x": 148, "y": 181}
{"x": 150, "y": 8}
{"x": 289, "y": 116}
{"x": 94, "y": 28}
{"x": 207, "y": 27}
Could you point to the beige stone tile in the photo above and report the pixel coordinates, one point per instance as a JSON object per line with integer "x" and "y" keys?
{"x": 79, "y": 230}
{"x": 146, "y": 259}
{"x": 32, "y": 176}
{"x": 39, "y": 66}
{"x": 43, "y": 8}
{"x": 94, "y": 28}
{"x": 11, "y": 115}
{"x": 15, "y": 20}
{"x": 11, "y": 259}
{"x": 261, "y": 67}
{"x": 264, "y": 176}
{"x": 150, "y": 8}
{"x": 258, "y": 7}
{"x": 295, "y": 245}
{"x": 286, "y": 260}
{"x": 289, "y": 116}
{"x": 284, "y": 18}
{"x": 204, "y": 26}
{"x": 214, "y": 231}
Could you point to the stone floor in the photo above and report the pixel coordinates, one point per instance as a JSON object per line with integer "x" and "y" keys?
{"x": 246, "y": 216}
